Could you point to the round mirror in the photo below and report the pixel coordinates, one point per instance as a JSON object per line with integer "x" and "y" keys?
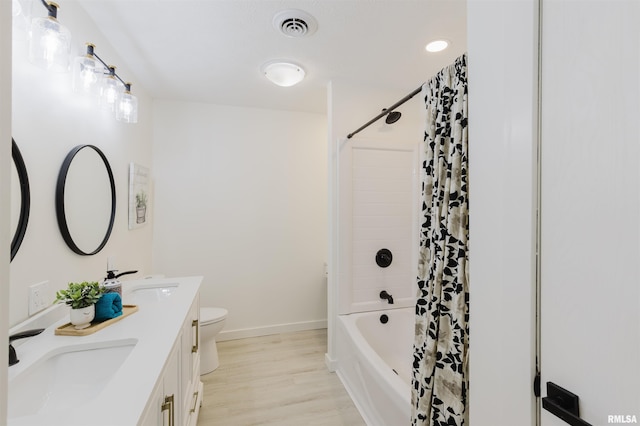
{"x": 86, "y": 200}
{"x": 20, "y": 199}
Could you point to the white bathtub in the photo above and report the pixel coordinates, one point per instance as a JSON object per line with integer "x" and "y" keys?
{"x": 374, "y": 364}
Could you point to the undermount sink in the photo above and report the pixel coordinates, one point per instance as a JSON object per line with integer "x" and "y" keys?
{"x": 66, "y": 378}
{"x": 155, "y": 293}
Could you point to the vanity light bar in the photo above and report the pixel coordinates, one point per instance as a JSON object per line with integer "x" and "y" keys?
{"x": 109, "y": 69}
{"x": 53, "y": 42}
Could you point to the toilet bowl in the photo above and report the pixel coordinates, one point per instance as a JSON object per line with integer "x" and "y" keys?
{"x": 212, "y": 321}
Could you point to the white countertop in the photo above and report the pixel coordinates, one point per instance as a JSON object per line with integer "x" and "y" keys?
{"x": 122, "y": 402}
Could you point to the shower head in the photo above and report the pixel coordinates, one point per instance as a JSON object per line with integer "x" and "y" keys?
{"x": 392, "y": 117}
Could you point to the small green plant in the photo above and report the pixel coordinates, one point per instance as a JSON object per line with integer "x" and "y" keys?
{"x": 141, "y": 199}
{"x": 80, "y": 295}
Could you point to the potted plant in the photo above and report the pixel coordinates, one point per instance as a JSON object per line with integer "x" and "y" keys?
{"x": 81, "y": 297}
{"x": 141, "y": 207}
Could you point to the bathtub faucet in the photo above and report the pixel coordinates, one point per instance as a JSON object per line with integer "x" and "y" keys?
{"x": 385, "y": 295}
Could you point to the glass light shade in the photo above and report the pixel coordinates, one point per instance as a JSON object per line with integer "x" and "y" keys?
{"x": 283, "y": 74}
{"x": 110, "y": 92}
{"x": 50, "y": 44}
{"x": 127, "y": 108}
{"x": 87, "y": 72}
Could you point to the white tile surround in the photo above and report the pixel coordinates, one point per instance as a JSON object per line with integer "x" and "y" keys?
{"x": 380, "y": 211}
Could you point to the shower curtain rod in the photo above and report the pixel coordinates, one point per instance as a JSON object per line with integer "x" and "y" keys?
{"x": 386, "y": 111}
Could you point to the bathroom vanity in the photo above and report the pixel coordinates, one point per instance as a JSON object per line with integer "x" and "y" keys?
{"x": 141, "y": 370}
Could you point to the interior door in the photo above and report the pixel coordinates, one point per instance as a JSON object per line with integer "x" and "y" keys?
{"x": 590, "y": 208}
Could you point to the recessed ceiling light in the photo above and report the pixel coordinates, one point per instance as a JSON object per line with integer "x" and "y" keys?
{"x": 283, "y": 73}
{"x": 437, "y": 45}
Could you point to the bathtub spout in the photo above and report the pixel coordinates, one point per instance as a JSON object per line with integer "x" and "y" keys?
{"x": 387, "y": 296}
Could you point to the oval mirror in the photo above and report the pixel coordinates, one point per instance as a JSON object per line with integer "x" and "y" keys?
{"x": 20, "y": 199}
{"x": 86, "y": 200}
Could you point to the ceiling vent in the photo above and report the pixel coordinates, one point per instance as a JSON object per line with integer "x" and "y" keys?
{"x": 295, "y": 23}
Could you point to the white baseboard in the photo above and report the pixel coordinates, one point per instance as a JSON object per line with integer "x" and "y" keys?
{"x": 331, "y": 363}
{"x": 243, "y": 333}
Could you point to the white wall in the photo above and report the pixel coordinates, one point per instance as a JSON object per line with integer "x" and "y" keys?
{"x": 48, "y": 121}
{"x": 5, "y": 167}
{"x": 502, "y": 45}
{"x": 241, "y": 198}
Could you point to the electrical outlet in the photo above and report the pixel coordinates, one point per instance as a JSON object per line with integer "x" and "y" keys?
{"x": 39, "y": 297}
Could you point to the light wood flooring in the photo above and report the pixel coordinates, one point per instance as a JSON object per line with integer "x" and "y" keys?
{"x": 276, "y": 380}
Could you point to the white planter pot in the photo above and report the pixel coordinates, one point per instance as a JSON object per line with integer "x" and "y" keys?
{"x": 81, "y": 318}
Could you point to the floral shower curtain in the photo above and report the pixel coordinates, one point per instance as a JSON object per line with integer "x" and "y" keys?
{"x": 440, "y": 381}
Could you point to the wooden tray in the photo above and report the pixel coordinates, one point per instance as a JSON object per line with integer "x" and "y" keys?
{"x": 69, "y": 329}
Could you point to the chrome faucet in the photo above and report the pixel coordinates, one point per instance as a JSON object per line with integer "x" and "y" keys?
{"x": 385, "y": 295}
{"x": 13, "y": 358}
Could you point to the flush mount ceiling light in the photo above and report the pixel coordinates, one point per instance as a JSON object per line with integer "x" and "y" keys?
{"x": 437, "y": 46}
{"x": 283, "y": 73}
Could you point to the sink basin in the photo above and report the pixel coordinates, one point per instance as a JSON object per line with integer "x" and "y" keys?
{"x": 155, "y": 293}
{"x": 66, "y": 378}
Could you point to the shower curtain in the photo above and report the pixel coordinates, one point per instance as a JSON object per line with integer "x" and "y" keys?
{"x": 440, "y": 383}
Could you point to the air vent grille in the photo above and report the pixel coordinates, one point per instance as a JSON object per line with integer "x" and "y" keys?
{"x": 295, "y": 23}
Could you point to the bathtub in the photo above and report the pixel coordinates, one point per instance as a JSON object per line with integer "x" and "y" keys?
{"x": 374, "y": 363}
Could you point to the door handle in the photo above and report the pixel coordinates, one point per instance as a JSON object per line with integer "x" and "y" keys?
{"x": 564, "y": 404}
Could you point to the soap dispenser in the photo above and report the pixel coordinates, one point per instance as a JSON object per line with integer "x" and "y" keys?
{"x": 112, "y": 284}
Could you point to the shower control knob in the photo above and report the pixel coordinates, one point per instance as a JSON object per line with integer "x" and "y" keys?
{"x": 384, "y": 257}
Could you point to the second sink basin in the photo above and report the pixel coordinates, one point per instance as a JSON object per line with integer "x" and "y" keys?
{"x": 155, "y": 293}
{"x": 66, "y": 378}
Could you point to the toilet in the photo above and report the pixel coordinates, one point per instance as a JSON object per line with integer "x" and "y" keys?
{"x": 212, "y": 321}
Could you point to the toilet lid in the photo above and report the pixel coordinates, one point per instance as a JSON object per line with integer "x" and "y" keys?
{"x": 209, "y": 315}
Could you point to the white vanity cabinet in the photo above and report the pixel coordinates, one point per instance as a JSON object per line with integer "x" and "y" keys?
{"x": 190, "y": 367}
{"x": 163, "y": 409}
{"x": 177, "y": 396}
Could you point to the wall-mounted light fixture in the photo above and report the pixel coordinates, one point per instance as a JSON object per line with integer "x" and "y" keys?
{"x": 283, "y": 73}
{"x": 50, "y": 46}
{"x": 93, "y": 77}
{"x": 50, "y": 42}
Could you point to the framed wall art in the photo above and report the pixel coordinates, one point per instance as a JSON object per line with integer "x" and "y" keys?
{"x": 139, "y": 203}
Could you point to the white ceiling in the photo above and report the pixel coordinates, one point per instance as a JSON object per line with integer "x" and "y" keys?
{"x": 211, "y": 50}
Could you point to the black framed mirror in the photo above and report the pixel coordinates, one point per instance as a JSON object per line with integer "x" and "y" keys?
{"x": 86, "y": 200}
{"x": 20, "y": 199}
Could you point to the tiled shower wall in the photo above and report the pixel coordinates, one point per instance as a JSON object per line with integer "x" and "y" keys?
{"x": 384, "y": 194}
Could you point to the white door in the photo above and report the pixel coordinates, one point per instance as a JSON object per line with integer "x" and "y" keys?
{"x": 590, "y": 207}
